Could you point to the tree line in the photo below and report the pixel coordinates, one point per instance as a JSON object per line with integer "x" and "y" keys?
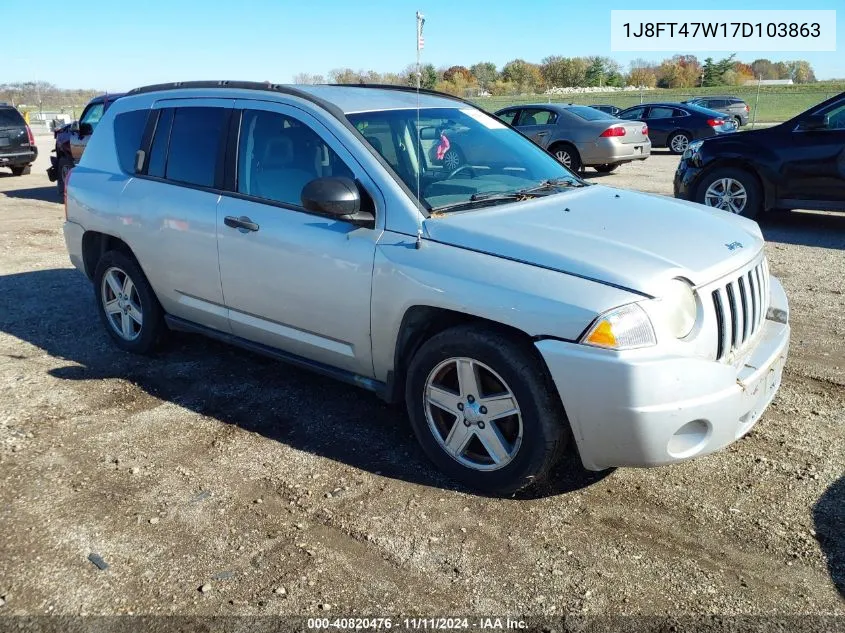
{"x": 37, "y": 94}
{"x": 519, "y": 76}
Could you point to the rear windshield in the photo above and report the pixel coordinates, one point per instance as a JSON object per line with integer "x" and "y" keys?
{"x": 590, "y": 114}
{"x": 10, "y": 116}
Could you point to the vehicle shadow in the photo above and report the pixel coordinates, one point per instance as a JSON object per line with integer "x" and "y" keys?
{"x": 829, "y": 522}
{"x": 42, "y": 194}
{"x": 805, "y": 228}
{"x": 54, "y": 310}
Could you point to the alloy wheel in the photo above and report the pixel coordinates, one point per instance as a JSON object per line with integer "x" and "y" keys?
{"x": 122, "y": 304}
{"x": 680, "y": 142}
{"x": 451, "y": 160}
{"x": 727, "y": 194}
{"x": 473, "y": 414}
{"x": 564, "y": 157}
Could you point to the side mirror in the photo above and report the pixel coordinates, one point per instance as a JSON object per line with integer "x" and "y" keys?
{"x": 74, "y": 127}
{"x": 336, "y": 196}
{"x": 85, "y": 129}
{"x": 814, "y": 122}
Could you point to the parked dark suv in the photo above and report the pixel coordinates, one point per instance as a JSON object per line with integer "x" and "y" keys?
{"x": 733, "y": 106}
{"x": 17, "y": 144}
{"x": 799, "y": 164}
{"x": 72, "y": 139}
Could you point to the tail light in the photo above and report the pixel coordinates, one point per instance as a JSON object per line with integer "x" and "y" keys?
{"x": 645, "y": 130}
{"x": 715, "y": 122}
{"x": 747, "y": 109}
{"x": 67, "y": 182}
{"x": 29, "y": 136}
{"x": 617, "y": 130}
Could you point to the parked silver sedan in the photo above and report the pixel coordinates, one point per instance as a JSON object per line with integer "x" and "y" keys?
{"x": 581, "y": 136}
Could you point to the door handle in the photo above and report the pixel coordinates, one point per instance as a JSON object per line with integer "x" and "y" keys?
{"x": 242, "y": 222}
{"x": 542, "y": 133}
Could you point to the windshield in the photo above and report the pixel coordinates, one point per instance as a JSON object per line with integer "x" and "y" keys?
{"x": 458, "y": 155}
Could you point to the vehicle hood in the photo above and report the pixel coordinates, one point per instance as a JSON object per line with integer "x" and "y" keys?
{"x": 632, "y": 240}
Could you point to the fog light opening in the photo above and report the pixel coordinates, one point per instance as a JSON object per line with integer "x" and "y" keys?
{"x": 690, "y": 439}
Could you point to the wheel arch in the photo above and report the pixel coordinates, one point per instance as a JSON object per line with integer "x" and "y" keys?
{"x": 419, "y": 324}
{"x": 96, "y": 244}
{"x": 742, "y": 165}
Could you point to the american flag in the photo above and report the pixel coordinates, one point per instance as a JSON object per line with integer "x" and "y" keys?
{"x": 420, "y": 38}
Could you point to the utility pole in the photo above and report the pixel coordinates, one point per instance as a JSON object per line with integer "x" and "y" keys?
{"x": 757, "y": 102}
{"x": 420, "y": 44}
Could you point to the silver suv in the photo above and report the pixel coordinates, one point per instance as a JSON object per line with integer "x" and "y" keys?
{"x": 510, "y": 305}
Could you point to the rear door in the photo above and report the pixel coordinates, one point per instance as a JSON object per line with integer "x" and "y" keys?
{"x": 13, "y": 136}
{"x": 661, "y": 122}
{"x": 537, "y": 124}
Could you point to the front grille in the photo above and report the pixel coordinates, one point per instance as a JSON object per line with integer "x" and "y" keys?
{"x": 740, "y": 303}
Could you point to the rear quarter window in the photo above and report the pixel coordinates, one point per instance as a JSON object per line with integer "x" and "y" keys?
{"x": 128, "y": 132}
{"x": 10, "y": 116}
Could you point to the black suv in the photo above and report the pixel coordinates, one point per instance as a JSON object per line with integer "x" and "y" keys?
{"x": 733, "y": 106}
{"x": 799, "y": 164}
{"x": 17, "y": 144}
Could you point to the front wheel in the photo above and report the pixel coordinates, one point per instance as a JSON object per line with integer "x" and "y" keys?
{"x": 63, "y": 168}
{"x": 679, "y": 142}
{"x": 605, "y": 169}
{"x": 484, "y": 410}
{"x": 20, "y": 171}
{"x": 733, "y": 190}
{"x": 127, "y": 304}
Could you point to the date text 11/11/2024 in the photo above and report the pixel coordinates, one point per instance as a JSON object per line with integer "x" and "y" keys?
{"x": 722, "y": 29}
{"x": 417, "y": 623}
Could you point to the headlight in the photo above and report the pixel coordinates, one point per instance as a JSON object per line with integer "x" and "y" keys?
{"x": 627, "y": 327}
{"x": 692, "y": 148}
{"x": 681, "y": 309}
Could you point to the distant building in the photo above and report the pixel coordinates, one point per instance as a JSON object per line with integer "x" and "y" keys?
{"x": 770, "y": 82}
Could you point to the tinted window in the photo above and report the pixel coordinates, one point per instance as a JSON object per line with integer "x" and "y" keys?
{"x": 278, "y": 155}
{"x": 194, "y": 143}
{"x": 10, "y": 116}
{"x": 718, "y": 103}
{"x": 508, "y": 116}
{"x": 633, "y": 113}
{"x": 128, "y": 131}
{"x": 158, "y": 152}
{"x": 836, "y": 116}
{"x": 661, "y": 112}
{"x": 590, "y": 114}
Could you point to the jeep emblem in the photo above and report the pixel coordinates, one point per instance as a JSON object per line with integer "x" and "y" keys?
{"x": 734, "y": 245}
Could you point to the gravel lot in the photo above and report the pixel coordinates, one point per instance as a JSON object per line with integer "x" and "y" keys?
{"x": 213, "y": 481}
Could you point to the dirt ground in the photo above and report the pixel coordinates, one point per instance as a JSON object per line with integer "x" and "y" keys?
{"x": 212, "y": 481}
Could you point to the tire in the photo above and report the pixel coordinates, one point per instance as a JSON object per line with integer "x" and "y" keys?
{"x": 21, "y": 171}
{"x": 131, "y": 334}
{"x": 736, "y": 182}
{"x": 605, "y": 169}
{"x": 63, "y": 166}
{"x": 527, "y": 442}
{"x": 678, "y": 142}
{"x": 738, "y": 122}
{"x": 568, "y": 156}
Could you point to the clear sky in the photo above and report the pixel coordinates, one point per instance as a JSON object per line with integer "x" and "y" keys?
{"x": 119, "y": 44}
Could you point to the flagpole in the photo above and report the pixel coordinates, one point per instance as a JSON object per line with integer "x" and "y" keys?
{"x": 419, "y": 34}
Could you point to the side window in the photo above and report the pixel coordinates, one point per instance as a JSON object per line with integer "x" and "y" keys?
{"x": 158, "y": 152}
{"x": 194, "y": 145}
{"x": 508, "y": 116}
{"x": 278, "y": 155}
{"x": 836, "y": 116}
{"x": 128, "y": 132}
{"x": 718, "y": 103}
{"x": 679, "y": 113}
{"x": 536, "y": 117}
{"x": 92, "y": 115}
{"x": 661, "y": 112}
{"x": 634, "y": 113}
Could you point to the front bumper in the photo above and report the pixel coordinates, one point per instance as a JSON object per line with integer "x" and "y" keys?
{"x": 686, "y": 180}
{"x": 641, "y": 409}
{"x": 19, "y": 158}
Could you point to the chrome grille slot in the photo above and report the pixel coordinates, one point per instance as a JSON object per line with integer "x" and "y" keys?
{"x": 740, "y": 302}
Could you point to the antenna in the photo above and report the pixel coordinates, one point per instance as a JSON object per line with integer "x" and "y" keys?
{"x": 420, "y": 44}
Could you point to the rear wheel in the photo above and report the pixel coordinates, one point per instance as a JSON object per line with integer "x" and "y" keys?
{"x": 127, "y": 304}
{"x": 484, "y": 410}
{"x": 63, "y": 168}
{"x": 733, "y": 190}
{"x": 738, "y": 122}
{"x": 21, "y": 171}
{"x": 567, "y": 155}
{"x": 452, "y": 159}
{"x": 605, "y": 169}
{"x": 679, "y": 142}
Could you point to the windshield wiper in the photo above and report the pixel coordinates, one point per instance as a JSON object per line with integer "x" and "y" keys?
{"x": 544, "y": 188}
